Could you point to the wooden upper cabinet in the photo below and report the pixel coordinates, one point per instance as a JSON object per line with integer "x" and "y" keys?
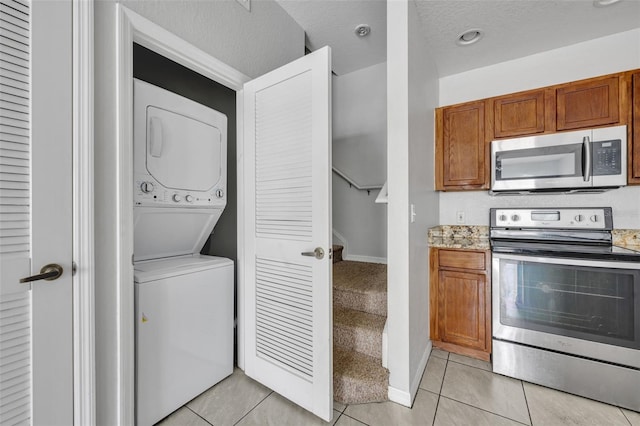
{"x": 461, "y": 148}
{"x": 634, "y": 151}
{"x": 594, "y": 102}
{"x": 525, "y": 113}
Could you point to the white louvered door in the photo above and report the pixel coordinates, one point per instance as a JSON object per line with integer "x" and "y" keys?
{"x": 35, "y": 212}
{"x": 287, "y": 202}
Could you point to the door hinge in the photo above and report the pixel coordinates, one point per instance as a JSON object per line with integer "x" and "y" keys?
{"x": 74, "y": 269}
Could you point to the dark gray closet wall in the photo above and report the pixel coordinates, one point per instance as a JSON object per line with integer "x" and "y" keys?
{"x": 162, "y": 72}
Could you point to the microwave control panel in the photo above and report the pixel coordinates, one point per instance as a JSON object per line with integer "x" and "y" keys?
{"x": 607, "y": 157}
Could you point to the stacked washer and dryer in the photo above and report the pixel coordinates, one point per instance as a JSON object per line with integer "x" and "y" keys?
{"x": 184, "y": 300}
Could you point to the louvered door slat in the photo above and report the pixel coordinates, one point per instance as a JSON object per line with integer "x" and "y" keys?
{"x": 15, "y": 225}
{"x": 273, "y": 329}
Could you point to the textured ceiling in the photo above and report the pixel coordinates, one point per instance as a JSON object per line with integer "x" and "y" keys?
{"x": 332, "y": 22}
{"x": 516, "y": 28}
{"x": 512, "y": 28}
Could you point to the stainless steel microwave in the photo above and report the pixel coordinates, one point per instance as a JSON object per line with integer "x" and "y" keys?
{"x": 593, "y": 160}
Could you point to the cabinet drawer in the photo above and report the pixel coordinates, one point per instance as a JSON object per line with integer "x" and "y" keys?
{"x": 461, "y": 259}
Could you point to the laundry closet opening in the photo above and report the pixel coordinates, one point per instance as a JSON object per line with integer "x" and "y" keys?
{"x": 169, "y": 75}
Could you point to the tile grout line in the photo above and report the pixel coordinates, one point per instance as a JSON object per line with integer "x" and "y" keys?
{"x": 353, "y": 418}
{"x": 625, "y": 416}
{"x": 435, "y": 413}
{"x": 482, "y": 409}
{"x": 254, "y": 407}
{"x": 526, "y": 402}
{"x": 189, "y": 408}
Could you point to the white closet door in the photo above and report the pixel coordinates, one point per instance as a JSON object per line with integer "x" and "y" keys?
{"x": 287, "y": 200}
{"x": 35, "y": 212}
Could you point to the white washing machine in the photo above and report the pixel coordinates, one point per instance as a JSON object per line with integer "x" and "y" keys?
{"x": 184, "y": 301}
{"x": 184, "y": 331}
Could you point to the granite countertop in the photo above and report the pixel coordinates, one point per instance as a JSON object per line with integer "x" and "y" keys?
{"x": 627, "y": 238}
{"x": 476, "y": 237}
{"x": 471, "y": 237}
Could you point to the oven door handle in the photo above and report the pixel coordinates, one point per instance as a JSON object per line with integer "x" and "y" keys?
{"x": 586, "y": 158}
{"x": 591, "y": 262}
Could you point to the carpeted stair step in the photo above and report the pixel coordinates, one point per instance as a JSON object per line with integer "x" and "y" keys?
{"x": 358, "y": 378}
{"x": 337, "y": 253}
{"x": 360, "y": 286}
{"x": 358, "y": 331}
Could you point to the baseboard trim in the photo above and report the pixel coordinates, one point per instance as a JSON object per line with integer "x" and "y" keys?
{"x": 406, "y": 398}
{"x": 399, "y": 397}
{"x": 368, "y": 259}
{"x": 415, "y": 383}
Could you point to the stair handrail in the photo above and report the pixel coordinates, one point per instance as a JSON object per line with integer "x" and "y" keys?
{"x": 353, "y": 183}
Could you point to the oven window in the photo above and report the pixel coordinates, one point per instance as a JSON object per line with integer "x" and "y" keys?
{"x": 596, "y": 304}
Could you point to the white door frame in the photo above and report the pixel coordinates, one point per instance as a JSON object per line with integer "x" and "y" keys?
{"x": 132, "y": 27}
{"x": 84, "y": 412}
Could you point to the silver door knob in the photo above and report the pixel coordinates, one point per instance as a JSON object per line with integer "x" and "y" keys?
{"x": 318, "y": 253}
{"x": 49, "y": 272}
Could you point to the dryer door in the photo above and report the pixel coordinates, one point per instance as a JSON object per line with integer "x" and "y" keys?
{"x": 184, "y": 153}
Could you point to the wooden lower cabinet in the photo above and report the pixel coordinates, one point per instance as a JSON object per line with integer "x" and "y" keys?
{"x": 634, "y": 145}
{"x": 460, "y": 301}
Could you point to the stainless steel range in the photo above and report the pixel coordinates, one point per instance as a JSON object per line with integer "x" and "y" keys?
{"x": 566, "y": 303}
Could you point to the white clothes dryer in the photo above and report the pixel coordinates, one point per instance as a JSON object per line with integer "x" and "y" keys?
{"x": 180, "y": 172}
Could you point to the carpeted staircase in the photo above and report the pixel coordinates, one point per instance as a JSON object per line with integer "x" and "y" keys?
{"x": 359, "y": 315}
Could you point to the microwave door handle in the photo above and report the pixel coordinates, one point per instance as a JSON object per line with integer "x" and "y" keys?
{"x": 586, "y": 159}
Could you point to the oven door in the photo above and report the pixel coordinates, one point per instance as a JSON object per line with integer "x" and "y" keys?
{"x": 584, "y": 307}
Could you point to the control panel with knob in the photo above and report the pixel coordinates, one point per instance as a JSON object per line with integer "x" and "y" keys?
{"x": 188, "y": 198}
{"x": 146, "y": 187}
{"x": 219, "y": 193}
{"x": 177, "y": 198}
{"x": 552, "y": 218}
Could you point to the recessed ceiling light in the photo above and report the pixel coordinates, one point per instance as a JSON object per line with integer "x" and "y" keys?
{"x": 362, "y": 30}
{"x": 469, "y": 37}
{"x": 604, "y": 3}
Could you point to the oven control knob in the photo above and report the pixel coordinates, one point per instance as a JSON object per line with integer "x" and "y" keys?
{"x": 177, "y": 198}
{"x": 502, "y": 218}
{"x": 188, "y": 198}
{"x": 594, "y": 218}
{"x": 579, "y": 218}
{"x": 146, "y": 187}
{"x": 515, "y": 217}
{"x": 219, "y": 193}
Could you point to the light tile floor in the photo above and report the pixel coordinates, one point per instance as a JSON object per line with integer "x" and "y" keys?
{"x": 455, "y": 390}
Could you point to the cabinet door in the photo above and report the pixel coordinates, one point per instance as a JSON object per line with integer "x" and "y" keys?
{"x": 634, "y": 174}
{"x": 462, "y": 308}
{"x": 594, "y": 102}
{"x": 519, "y": 114}
{"x": 461, "y": 147}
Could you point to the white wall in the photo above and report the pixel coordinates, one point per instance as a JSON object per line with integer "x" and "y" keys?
{"x": 253, "y": 43}
{"x": 423, "y": 99}
{"x": 360, "y": 124}
{"x": 619, "y": 52}
{"x": 412, "y": 96}
{"x": 359, "y": 107}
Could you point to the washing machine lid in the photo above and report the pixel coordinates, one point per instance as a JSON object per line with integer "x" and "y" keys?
{"x": 185, "y": 153}
{"x": 153, "y": 270}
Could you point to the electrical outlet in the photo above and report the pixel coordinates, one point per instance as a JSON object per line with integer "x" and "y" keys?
{"x": 459, "y": 217}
